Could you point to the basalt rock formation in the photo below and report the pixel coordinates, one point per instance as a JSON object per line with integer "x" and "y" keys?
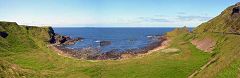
{"x": 66, "y": 40}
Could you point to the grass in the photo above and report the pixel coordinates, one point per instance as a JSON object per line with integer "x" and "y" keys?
{"x": 28, "y": 52}
{"x": 31, "y": 55}
{"x": 227, "y": 49}
{"x": 26, "y": 49}
{"x": 155, "y": 65}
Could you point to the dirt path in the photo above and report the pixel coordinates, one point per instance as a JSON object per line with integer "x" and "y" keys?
{"x": 203, "y": 67}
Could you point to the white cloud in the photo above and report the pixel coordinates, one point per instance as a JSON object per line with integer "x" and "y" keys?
{"x": 174, "y": 21}
{"x": 156, "y": 20}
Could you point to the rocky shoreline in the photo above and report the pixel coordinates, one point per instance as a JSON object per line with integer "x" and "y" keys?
{"x": 95, "y": 54}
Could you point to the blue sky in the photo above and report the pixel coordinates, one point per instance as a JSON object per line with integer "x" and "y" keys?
{"x": 112, "y": 13}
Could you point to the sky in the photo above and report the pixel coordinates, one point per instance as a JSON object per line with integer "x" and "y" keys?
{"x": 112, "y": 13}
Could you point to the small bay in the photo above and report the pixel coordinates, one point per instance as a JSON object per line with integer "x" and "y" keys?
{"x": 114, "y": 39}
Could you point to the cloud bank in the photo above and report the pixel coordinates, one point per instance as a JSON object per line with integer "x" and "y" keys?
{"x": 152, "y": 21}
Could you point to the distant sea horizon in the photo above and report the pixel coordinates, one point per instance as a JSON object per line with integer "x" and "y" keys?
{"x": 73, "y": 26}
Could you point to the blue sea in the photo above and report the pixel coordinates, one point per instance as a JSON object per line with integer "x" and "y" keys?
{"x": 120, "y": 39}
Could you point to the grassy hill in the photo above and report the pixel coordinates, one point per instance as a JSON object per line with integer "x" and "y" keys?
{"x": 227, "y": 22}
{"x": 24, "y": 53}
{"x": 224, "y": 30}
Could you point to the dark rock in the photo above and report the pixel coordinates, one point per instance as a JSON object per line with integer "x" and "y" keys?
{"x": 52, "y": 40}
{"x": 73, "y": 41}
{"x": 51, "y": 31}
{"x": 105, "y": 43}
{"x": 237, "y": 4}
{"x": 3, "y": 34}
{"x": 236, "y": 10}
{"x": 64, "y": 39}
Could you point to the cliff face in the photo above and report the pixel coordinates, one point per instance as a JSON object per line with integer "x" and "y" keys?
{"x": 226, "y": 22}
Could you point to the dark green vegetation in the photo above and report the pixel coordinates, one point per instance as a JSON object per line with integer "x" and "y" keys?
{"x": 24, "y": 53}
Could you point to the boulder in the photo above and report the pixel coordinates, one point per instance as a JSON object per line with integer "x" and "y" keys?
{"x": 73, "y": 41}
{"x": 105, "y": 43}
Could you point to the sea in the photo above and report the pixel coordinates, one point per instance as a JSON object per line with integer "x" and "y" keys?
{"x": 118, "y": 39}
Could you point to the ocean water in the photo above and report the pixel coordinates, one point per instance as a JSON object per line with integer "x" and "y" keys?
{"x": 119, "y": 39}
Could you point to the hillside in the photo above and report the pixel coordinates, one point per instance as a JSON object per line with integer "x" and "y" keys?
{"x": 226, "y": 22}
{"x": 24, "y": 53}
{"x": 16, "y": 40}
{"x": 223, "y": 32}
{"x": 20, "y": 38}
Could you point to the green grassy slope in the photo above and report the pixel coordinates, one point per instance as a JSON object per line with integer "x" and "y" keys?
{"x": 227, "y": 22}
{"x": 228, "y": 52}
{"x": 224, "y": 29}
{"x": 20, "y": 39}
{"x": 26, "y": 49}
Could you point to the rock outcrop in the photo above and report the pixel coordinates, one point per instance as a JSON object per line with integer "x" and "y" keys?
{"x": 65, "y": 40}
{"x": 206, "y": 44}
{"x": 3, "y": 34}
{"x": 236, "y": 9}
{"x": 104, "y": 43}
